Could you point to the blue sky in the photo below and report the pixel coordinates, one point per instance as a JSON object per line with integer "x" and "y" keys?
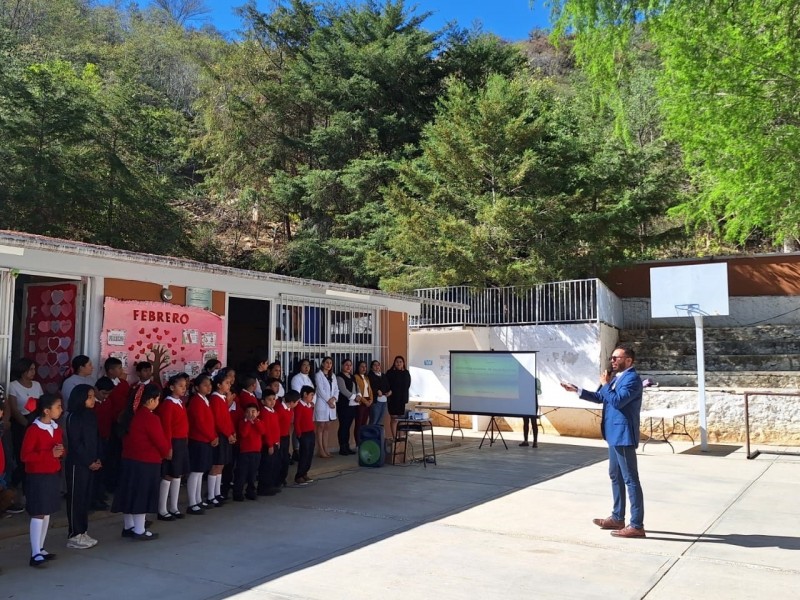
{"x": 509, "y": 19}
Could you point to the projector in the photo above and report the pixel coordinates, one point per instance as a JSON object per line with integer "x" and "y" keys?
{"x": 417, "y": 415}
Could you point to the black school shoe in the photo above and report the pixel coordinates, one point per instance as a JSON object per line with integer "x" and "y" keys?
{"x": 177, "y": 515}
{"x": 147, "y": 536}
{"x": 37, "y": 560}
{"x": 128, "y": 532}
{"x": 195, "y": 510}
{"x": 166, "y": 517}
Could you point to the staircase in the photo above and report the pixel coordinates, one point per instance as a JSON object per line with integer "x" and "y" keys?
{"x": 763, "y": 357}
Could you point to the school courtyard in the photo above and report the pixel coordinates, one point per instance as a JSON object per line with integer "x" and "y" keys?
{"x": 488, "y": 523}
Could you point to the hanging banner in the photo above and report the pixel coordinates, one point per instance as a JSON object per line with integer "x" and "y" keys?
{"x": 175, "y": 338}
{"x": 49, "y": 338}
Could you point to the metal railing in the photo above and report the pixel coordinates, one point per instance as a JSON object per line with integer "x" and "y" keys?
{"x": 576, "y": 301}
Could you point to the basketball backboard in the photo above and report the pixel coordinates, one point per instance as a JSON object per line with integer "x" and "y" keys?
{"x": 689, "y": 290}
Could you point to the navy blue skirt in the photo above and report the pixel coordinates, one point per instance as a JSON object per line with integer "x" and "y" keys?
{"x": 200, "y": 456}
{"x": 223, "y": 453}
{"x": 137, "y": 490}
{"x": 178, "y": 465}
{"x": 42, "y": 493}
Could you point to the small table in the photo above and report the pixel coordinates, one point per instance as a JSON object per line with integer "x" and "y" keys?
{"x": 406, "y": 426}
{"x": 662, "y": 414}
{"x": 454, "y": 418}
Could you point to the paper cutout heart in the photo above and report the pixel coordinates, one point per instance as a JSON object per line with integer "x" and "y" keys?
{"x": 45, "y": 296}
{"x": 63, "y": 358}
{"x": 174, "y": 340}
{"x": 41, "y": 357}
{"x": 46, "y": 310}
{"x": 155, "y": 329}
{"x": 42, "y": 343}
{"x": 166, "y": 332}
{"x": 58, "y": 296}
{"x": 55, "y": 326}
{"x": 52, "y": 358}
{"x": 53, "y": 343}
{"x": 51, "y": 388}
{"x": 131, "y": 348}
{"x": 43, "y": 371}
{"x": 139, "y": 342}
{"x": 55, "y": 310}
{"x": 66, "y": 309}
{"x": 148, "y": 336}
{"x": 30, "y": 404}
{"x": 65, "y": 343}
{"x": 43, "y": 326}
{"x": 158, "y": 337}
{"x": 141, "y": 330}
{"x": 69, "y": 295}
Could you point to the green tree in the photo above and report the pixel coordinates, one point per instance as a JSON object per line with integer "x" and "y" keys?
{"x": 729, "y": 85}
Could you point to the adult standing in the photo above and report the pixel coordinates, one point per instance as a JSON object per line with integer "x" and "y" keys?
{"x": 365, "y": 401}
{"x": 620, "y": 393}
{"x": 82, "y": 369}
{"x": 275, "y": 371}
{"x": 23, "y": 394}
{"x": 302, "y": 377}
{"x": 325, "y": 404}
{"x": 349, "y": 400}
{"x": 380, "y": 391}
{"x": 399, "y": 383}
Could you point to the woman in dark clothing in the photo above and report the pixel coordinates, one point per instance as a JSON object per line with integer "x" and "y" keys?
{"x": 83, "y": 459}
{"x": 348, "y": 402}
{"x": 399, "y": 383}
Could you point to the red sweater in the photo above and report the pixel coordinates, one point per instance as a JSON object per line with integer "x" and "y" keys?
{"x": 222, "y": 415}
{"x": 105, "y": 418}
{"x": 118, "y": 400}
{"x": 246, "y": 399}
{"x": 303, "y": 418}
{"x": 145, "y": 441}
{"x": 272, "y": 427}
{"x": 201, "y": 420}
{"x": 284, "y": 418}
{"x": 174, "y": 421}
{"x": 37, "y": 450}
{"x": 250, "y": 436}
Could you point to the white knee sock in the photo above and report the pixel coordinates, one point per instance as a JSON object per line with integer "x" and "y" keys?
{"x": 191, "y": 487}
{"x": 36, "y": 535}
{"x": 138, "y": 523}
{"x": 43, "y": 534}
{"x": 174, "y": 492}
{"x": 198, "y": 488}
{"x": 127, "y": 521}
{"x": 218, "y": 486}
{"x": 163, "y": 493}
{"x": 211, "y": 486}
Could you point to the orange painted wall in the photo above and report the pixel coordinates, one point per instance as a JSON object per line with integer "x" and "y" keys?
{"x": 125, "y": 289}
{"x": 772, "y": 275}
{"x": 395, "y": 327}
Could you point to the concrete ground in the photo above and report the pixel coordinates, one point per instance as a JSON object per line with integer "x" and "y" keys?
{"x": 486, "y": 523}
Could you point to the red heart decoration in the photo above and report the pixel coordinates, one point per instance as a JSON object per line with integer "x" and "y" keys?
{"x": 158, "y": 337}
{"x": 52, "y": 343}
{"x": 174, "y": 340}
{"x": 148, "y": 336}
{"x": 131, "y": 347}
{"x": 137, "y": 357}
{"x": 155, "y": 329}
{"x": 46, "y": 310}
{"x": 183, "y": 348}
{"x": 166, "y": 332}
{"x": 139, "y": 342}
{"x": 52, "y": 358}
{"x": 141, "y": 330}
{"x": 174, "y": 362}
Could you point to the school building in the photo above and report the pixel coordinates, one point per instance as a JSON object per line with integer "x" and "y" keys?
{"x": 60, "y": 298}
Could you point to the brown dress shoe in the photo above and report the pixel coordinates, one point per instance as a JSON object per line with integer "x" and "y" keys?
{"x": 608, "y": 523}
{"x": 629, "y": 532}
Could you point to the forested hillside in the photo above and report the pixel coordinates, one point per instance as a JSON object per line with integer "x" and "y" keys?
{"x": 349, "y": 143}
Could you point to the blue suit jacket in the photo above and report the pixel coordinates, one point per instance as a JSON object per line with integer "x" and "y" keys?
{"x": 622, "y": 401}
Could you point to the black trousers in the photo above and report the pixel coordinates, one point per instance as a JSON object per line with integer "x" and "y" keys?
{"x": 79, "y": 497}
{"x": 526, "y": 426}
{"x": 346, "y": 414}
{"x": 283, "y": 468}
{"x": 228, "y": 471}
{"x": 112, "y": 460}
{"x": 306, "y": 454}
{"x": 267, "y": 469}
{"x": 245, "y": 473}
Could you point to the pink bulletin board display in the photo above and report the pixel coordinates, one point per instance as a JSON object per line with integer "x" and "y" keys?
{"x": 178, "y": 338}
{"x": 49, "y": 338}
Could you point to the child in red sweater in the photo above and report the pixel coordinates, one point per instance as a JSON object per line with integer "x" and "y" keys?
{"x": 284, "y": 407}
{"x": 202, "y": 440}
{"x": 304, "y": 430}
{"x": 226, "y": 436}
{"x": 42, "y": 451}
{"x": 270, "y": 453}
{"x": 175, "y": 423}
{"x": 144, "y": 447}
{"x": 250, "y": 435}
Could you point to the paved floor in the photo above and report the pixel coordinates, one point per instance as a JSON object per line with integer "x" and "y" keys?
{"x": 486, "y": 523}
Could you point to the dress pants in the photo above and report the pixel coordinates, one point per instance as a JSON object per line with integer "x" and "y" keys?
{"x": 245, "y": 473}
{"x": 347, "y": 415}
{"x": 306, "y": 454}
{"x": 624, "y": 473}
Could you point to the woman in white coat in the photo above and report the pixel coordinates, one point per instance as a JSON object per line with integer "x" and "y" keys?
{"x": 325, "y": 404}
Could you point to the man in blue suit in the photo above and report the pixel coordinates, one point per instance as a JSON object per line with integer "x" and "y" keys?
{"x": 620, "y": 393}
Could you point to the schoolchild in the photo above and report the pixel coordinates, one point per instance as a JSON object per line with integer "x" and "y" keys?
{"x": 202, "y": 441}
{"x": 247, "y": 395}
{"x": 304, "y": 430}
{"x": 105, "y": 428}
{"x": 270, "y": 453}
{"x": 250, "y": 434}
{"x": 83, "y": 460}
{"x": 144, "y": 447}
{"x": 226, "y": 437}
{"x": 236, "y": 415}
{"x": 118, "y": 401}
{"x": 175, "y": 423}
{"x": 42, "y": 451}
{"x": 285, "y": 410}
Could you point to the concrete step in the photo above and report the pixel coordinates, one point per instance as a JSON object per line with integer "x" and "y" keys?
{"x": 721, "y": 362}
{"x": 678, "y": 334}
{"x": 774, "y": 380}
{"x": 712, "y": 347}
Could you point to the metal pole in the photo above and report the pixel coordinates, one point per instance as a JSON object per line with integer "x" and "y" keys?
{"x": 701, "y": 382}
